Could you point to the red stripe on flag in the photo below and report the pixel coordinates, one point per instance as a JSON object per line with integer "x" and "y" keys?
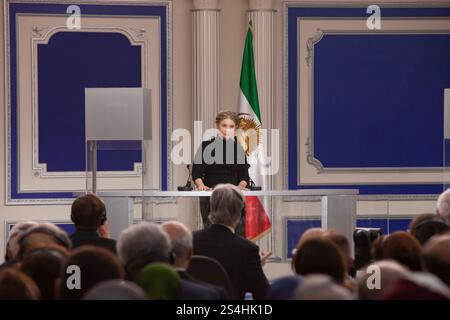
{"x": 257, "y": 221}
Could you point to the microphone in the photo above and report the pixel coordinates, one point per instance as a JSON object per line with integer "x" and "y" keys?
{"x": 188, "y": 186}
{"x": 254, "y": 187}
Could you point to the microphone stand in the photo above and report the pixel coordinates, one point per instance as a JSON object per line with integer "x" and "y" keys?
{"x": 188, "y": 186}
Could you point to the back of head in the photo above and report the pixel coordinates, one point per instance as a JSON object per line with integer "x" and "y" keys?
{"x": 226, "y": 202}
{"x": 88, "y": 212}
{"x": 42, "y": 235}
{"x": 426, "y": 225}
{"x": 401, "y": 247}
{"x": 436, "y": 257}
{"x": 12, "y": 246}
{"x": 44, "y": 266}
{"x": 283, "y": 288}
{"x": 310, "y": 233}
{"x": 160, "y": 282}
{"x": 16, "y": 285}
{"x": 180, "y": 237}
{"x": 95, "y": 265}
{"x": 115, "y": 290}
{"x": 443, "y": 205}
{"x": 320, "y": 256}
{"x": 341, "y": 241}
{"x": 141, "y": 244}
{"x": 389, "y": 272}
{"x": 320, "y": 287}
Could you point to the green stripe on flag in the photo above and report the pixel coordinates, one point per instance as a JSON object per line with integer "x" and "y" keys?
{"x": 248, "y": 76}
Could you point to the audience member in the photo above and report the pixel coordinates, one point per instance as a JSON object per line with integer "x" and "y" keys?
{"x": 389, "y": 272}
{"x": 16, "y": 285}
{"x": 239, "y": 257}
{"x": 160, "y": 282}
{"x": 44, "y": 266}
{"x": 436, "y": 257}
{"x": 426, "y": 225}
{"x": 88, "y": 213}
{"x": 443, "y": 206}
{"x": 182, "y": 250}
{"x": 146, "y": 243}
{"x": 320, "y": 256}
{"x": 115, "y": 290}
{"x": 401, "y": 247}
{"x": 95, "y": 265}
{"x": 320, "y": 287}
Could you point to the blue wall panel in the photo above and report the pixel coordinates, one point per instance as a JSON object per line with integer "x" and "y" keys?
{"x": 54, "y": 152}
{"x": 69, "y": 63}
{"x": 381, "y": 97}
{"x": 378, "y": 98}
{"x": 296, "y": 227}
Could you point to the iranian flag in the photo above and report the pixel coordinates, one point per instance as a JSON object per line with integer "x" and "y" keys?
{"x": 257, "y": 222}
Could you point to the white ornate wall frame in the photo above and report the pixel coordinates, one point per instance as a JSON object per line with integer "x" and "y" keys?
{"x": 42, "y": 35}
{"x": 308, "y": 141}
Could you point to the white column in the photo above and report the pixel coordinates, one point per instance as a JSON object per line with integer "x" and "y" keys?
{"x": 205, "y": 56}
{"x": 261, "y": 12}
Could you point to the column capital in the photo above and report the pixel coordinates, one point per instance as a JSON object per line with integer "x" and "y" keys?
{"x": 260, "y": 5}
{"x": 206, "y": 4}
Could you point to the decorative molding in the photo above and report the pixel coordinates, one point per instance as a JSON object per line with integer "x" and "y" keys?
{"x": 311, "y": 159}
{"x": 260, "y": 5}
{"x": 291, "y": 171}
{"x": 205, "y": 5}
{"x": 43, "y": 36}
{"x": 63, "y": 197}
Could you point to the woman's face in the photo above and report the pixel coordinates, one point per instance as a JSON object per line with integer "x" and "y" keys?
{"x": 227, "y": 127}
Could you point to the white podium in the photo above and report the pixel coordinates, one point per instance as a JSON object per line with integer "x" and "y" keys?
{"x": 338, "y": 206}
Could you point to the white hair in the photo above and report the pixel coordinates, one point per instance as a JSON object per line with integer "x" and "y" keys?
{"x": 181, "y": 239}
{"x": 227, "y": 202}
{"x": 140, "y": 239}
{"x": 443, "y": 205}
{"x": 320, "y": 287}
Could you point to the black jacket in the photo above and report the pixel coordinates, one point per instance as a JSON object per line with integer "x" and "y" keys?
{"x": 239, "y": 257}
{"x": 228, "y": 166}
{"x": 212, "y": 292}
{"x": 85, "y": 237}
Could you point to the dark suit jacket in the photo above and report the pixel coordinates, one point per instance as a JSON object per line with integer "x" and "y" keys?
{"x": 239, "y": 257}
{"x": 84, "y": 237}
{"x": 221, "y": 291}
{"x": 194, "y": 291}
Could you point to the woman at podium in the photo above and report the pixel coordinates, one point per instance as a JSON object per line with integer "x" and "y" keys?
{"x": 220, "y": 160}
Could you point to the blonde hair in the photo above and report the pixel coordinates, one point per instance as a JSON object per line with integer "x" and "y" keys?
{"x": 227, "y": 114}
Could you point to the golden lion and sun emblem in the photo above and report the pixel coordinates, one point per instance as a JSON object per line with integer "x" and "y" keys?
{"x": 248, "y": 133}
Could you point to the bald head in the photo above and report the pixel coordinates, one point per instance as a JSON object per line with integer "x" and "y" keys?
{"x": 181, "y": 242}
{"x": 436, "y": 257}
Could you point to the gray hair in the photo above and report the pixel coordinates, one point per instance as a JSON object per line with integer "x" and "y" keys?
{"x": 16, "y": 233}
{"x": 180, "y": 237}
{"x": 48, "y": 228}
{"x": 320, "y": 287}
{"x": 142, "y": 238}
{"x": 443, "y": 205}
{"x": 227, "y": 202}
